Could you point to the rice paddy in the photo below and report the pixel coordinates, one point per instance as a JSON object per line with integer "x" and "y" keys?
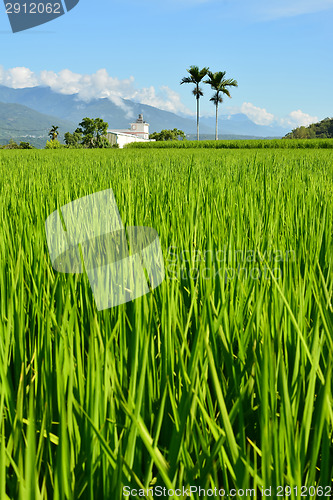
{"x": 219, "y": 378}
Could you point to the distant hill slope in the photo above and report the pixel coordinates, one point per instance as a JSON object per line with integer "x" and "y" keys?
{"x": 21, "y": 123}
{"x": 69, "y": 107}
{"x": 241, "y": 125}
{"x": 228, "y": 137}
{"x": 320, "y": 130}
{"x": 120, "y": 113}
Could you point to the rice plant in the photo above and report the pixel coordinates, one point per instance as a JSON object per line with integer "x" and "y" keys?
{"x": 237, "y": 144}
{"x": 221, "y": 377}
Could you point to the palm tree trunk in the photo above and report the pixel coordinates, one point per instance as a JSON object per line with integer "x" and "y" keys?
{"x": 216, "y": 126}
{"x": 197, "y": 117}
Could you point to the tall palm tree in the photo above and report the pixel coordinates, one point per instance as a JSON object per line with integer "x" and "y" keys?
{"x": 220, "y": 85}
{"x": 196, "y": 76}
{"x": 53, "y": 134}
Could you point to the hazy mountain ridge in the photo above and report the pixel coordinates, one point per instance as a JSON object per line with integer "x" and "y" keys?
{"x": 69, "y": 107}
{"x": 240, "y": 124}
{"x": 62, "y": 109}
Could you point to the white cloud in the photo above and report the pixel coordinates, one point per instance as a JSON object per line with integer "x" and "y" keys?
{"x": 97, "y": 85}
{"x": 166, "y": 99}
{"x": 273, "y": 9}
{"x": 89, "y": 87}
{"x": 101, "y": 84}
{"x": 18, "y": 78}
{"x": 261, "y": 116}
{"x": 258, "y": 115}
{"x": 298, "y": 118}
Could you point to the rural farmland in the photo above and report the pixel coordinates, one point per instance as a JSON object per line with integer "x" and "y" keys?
{"x": 220, "y": 377}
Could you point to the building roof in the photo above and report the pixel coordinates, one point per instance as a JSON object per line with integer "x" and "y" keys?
{"x": 130, "y": 131}
{"x": 140, "y": 119}
{"x": 126, "y": 132}
{"x": 122, "y": 132}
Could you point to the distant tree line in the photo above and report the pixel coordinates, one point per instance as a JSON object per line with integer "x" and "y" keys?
{"x": 91, "y": 133}
{"x": 320, "y": 130}
{"x": 13, "y": 145}
{"x": 168, "y": 135}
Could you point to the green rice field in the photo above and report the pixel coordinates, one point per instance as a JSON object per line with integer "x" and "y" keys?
{"x": 236, "y": 144}
{"x": 219, "y": 378}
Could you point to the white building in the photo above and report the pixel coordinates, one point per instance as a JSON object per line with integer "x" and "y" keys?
{"x": 139, "y": 132}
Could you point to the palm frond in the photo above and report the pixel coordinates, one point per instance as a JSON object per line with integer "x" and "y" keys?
{"x": 197, "y": 92}
{"x": 215, "y": 79}
{"x": 216, "y": 99}
{"x": 230, "y": 82}
{"x": 219, "y": 83}
{"x": 186, "y": 79}
{"x": 225, "y": 91}
{"x": 196, "y": 75}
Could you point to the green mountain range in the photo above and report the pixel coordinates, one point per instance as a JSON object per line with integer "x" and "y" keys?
{"x": 21, "y": 123}
{"x": 120, "y": 112}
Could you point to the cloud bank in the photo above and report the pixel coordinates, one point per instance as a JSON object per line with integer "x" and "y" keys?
{"x": 95, "y": 86}
{"x": 261, "y": 116}
{"x": 258, "y": 115}
{"x": 102, "y": 85}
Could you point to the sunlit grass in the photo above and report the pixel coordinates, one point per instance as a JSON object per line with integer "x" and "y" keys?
{"x": 236, "y": 144}
{"x": 220, "y": 377}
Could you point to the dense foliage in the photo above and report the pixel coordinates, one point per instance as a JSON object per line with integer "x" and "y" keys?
{"x": 168, "y": 135}
{"x": 321, "y": 130}
{"x": 13, "y": 145}
{"x": 90, "y": 134}
{"x": 54, "y": 144}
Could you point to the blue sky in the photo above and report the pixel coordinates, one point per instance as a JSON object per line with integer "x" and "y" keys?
{"x": 279, "y": 51}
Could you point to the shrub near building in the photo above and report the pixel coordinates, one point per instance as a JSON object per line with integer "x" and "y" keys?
{"x": 168, "y": 135}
